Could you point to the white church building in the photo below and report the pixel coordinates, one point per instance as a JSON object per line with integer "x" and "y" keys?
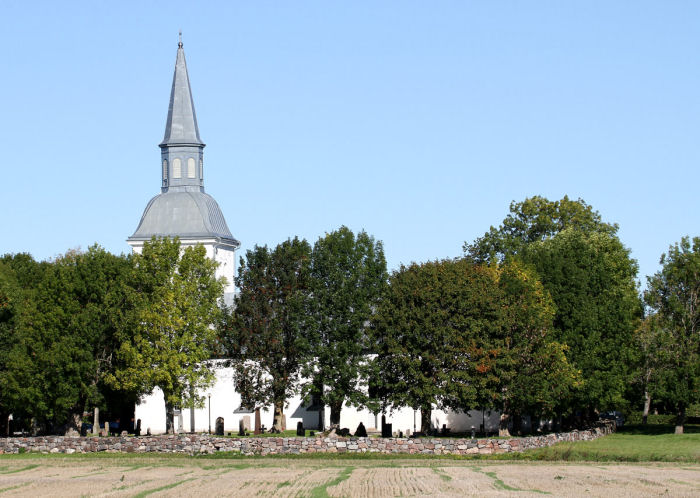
{"x": 183, "y": 209}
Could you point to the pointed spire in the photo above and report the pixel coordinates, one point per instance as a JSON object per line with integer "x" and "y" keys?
{"x": 181, "y": 126}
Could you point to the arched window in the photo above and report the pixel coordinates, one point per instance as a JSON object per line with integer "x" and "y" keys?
{"x": 177, "y": 168}
{"x": 190, "y": 168}
{"x": 201, "y": 170}
{"x": 165, "y": 170}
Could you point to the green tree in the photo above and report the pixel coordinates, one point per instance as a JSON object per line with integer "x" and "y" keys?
{"x": 538, "y": 378}
{"x": 534, "y": 220}
{"x": 65, "y": 336}
{"x": 674, "y": 293}
{"x": 348, "y": 278}
{"x": 168, "y": 334}
{"x": 649, "y": 346}
{"x": 589, "y": 274}
{"x": 266, "y": 337}
{"x": 19, "y": 388}
{"x": 457, "y": 335}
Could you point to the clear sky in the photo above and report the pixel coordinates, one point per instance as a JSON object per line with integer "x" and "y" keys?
{"x": 417, "y": 121}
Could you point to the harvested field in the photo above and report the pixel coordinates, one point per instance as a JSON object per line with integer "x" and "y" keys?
{"x": 169, "y": 476}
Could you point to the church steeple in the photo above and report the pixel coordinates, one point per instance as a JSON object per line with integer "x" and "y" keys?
{"x": 181, "y": 148}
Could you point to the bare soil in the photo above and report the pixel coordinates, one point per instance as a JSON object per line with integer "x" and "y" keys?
{"x": 146, "y": 476}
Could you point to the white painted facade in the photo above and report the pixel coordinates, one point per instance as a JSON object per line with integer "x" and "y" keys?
{"x": 221, "y": 400}
{"x": 223, "y": 254}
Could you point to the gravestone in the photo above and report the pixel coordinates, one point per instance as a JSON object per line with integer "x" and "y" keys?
{"x": 137, "y": 431}
{"x": 361, "y": 431}
{"x": 96, "y": 421}
{"x": 219, "y": 431}
{"x": 386, "y": 430}
{"x": 241, "y": 427}
{"x": 300, "y": 429}
{"x": 246, "y": 422}
{"x": 258, "y": 425}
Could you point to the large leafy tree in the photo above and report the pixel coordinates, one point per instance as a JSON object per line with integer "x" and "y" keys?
{"x": 457, "y": 335}
{"x": 591, "y": 278}
{"x": 348, "y": 278}
{"x": 534, "y": 220}
{"x": 266, "y": 337}
{"x": 674, "y": 293}
{"x": 65, "y": 336}
{"x": 168, "y": 316}
{"x": 539, "y": 377}
{"x": 20, "y": 387}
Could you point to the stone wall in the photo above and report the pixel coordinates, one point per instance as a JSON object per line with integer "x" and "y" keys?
{"x": 202, "y": 444}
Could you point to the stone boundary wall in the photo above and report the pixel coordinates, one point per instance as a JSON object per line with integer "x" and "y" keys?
{"x": 192, "y": 444}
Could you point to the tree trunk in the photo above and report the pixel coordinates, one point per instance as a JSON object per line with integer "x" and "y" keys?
{"x": 336, "y": 406}
{"x": 680, "y": 420}
{"x": 647, "y": 405}
{"x": 425, "y": 413}
{"x": 75, "y": 420}
{"x": 277, "y": 417}
{"x": 169, "y": 418}
{"x": 503, "y": 425}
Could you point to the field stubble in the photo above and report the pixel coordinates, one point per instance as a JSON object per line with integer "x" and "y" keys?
{"x": 145, "y": 475}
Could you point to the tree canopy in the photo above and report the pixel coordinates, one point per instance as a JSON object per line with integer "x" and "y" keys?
{"x": 266, "y": 336}
{"x": 171, "y": 305}
{"x": 348, "y": 279}
{"x": 674, "y": 295}
{"x": 458, "y": 335}
{"x": 592, "y": 280}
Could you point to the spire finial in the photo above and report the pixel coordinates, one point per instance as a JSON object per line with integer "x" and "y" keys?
{"x": 179, "y": 37}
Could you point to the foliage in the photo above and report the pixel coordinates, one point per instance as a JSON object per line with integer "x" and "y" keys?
{"x": 266, "y": 335}
{"x": 535, "y": 219}
{"x": 348, "y": 278}
{"x": 168, "y": 335}
{"x": 64, "y": 335}
{"x": 591, "y": 278}
{"x": 674, "y": 294}
{"x": 459, "y": 335}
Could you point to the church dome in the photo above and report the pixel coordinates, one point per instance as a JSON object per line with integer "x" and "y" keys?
{"x": 188, "y": 215}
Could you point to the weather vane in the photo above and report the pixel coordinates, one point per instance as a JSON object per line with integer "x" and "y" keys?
{"x": 179, "y": 36}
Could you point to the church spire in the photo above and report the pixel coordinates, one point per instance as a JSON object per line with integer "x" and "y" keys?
{"x": 181, "y": 149}
{"x": 181, "y": 125}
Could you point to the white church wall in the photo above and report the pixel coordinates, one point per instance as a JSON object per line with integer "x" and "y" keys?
{"x": 221, "y": 400}
{"x": 224, "y": 255}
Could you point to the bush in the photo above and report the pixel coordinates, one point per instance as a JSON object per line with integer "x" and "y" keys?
{"x": 635, "y": 418}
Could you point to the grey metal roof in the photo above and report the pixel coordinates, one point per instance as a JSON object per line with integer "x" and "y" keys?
{"x": 181, "y": 126}
{"x": 188, "y": 215}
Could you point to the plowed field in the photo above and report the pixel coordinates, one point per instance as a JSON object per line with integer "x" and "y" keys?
{"x": 163, "y": 476}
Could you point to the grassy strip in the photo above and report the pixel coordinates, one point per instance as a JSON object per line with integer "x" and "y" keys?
{"x": 442, "y": 474}
{"x": 499, "y": 484}
{"x": 321, "y": 491}
{"x": 162, "y": 488}
{"x": 22, "y": 469}
{"x": 10, "y": 488}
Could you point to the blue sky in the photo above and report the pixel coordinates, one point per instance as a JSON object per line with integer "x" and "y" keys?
{"x": 417, "y": 121}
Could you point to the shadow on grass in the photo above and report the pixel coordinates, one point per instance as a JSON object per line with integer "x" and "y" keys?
{"x": 656, "y": 429}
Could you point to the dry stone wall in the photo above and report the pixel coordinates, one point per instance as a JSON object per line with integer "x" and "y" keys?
{"x": 205, "y": 444}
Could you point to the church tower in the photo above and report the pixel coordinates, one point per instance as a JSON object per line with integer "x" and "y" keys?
{"x": 183, "y": 209}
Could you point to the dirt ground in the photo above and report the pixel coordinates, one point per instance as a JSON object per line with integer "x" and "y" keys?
{"x": 144, "y": 476}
